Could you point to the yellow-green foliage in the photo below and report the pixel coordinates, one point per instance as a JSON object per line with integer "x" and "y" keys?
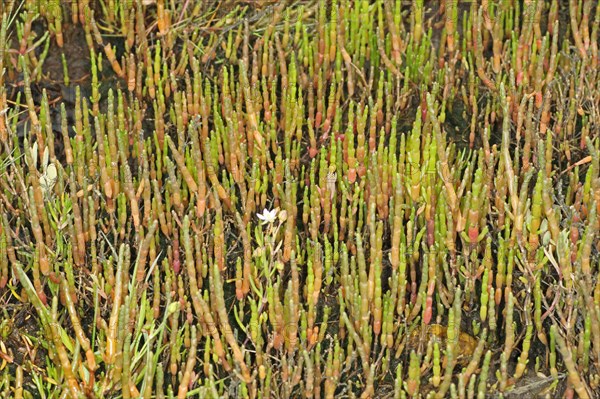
{"x": 264, "y": 199}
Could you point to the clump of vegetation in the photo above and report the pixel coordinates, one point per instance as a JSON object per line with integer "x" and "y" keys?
{"x": 313, "y": 199}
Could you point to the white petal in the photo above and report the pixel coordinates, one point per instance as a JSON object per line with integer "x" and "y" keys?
{"x": 45, "y": 158}
{"x": 34, "y": 154}
{"x": 51, "y": 172}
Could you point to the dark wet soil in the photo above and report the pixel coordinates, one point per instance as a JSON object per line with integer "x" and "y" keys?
{"x": 76, "y": 54}
{"x": 19, "y": 334}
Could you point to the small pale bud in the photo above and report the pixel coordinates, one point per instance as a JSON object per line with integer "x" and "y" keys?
{"x": 282, "y": 216}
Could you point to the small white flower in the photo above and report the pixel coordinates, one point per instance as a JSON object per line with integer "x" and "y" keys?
{"x": 48, "y": 178}
{"x": 268, "y": 216}
{"x": 49, "y": 175}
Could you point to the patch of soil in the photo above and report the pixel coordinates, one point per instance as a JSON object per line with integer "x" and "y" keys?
{"x": 75, "y": 54}
{"x": 20, "y": 332}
